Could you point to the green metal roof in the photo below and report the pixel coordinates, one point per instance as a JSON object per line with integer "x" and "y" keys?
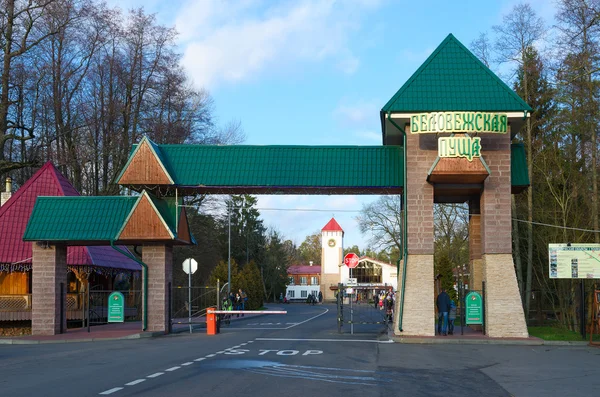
{"x": 519, "y": 176}
{"x": 453, "y": 79}
{"x": 91, "y": 219}
{"x": 281, "y": 167}
{"x": 78, "y": 218}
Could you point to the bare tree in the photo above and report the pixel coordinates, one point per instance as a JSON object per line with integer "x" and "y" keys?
{"x": 520, "y": 30}
{"x": 382, "y": 218}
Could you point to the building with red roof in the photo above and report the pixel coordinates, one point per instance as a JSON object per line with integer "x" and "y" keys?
{"x": 98, "y": 266}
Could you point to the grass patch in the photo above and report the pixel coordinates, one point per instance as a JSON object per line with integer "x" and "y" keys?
{"x": 558, "y": 333}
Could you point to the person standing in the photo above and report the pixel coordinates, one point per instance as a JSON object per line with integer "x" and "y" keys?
{"x": 376, "y": 300}
{"x": 320, "y": 297}
{"x": 451, "y": 317}
{"x": 443, "y": 306}
{"x": 243, "y": 300}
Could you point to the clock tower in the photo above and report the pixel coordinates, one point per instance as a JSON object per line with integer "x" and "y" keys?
{"x": 331, "y": 258}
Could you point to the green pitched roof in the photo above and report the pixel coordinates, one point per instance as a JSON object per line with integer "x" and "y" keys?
{"x": 90, "y": 219}
{"x": 453, "y": 79}
{"x": 519, "y": 176}
{"x": 78, "y": 218}
{"x": 284, "y": 166}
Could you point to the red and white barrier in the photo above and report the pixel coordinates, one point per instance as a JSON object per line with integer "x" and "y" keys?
{"x": 247, "y": 311}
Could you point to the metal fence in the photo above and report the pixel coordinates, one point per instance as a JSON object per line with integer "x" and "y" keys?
{"x": 201, "y": 299}
{"x": 98, "y": 306}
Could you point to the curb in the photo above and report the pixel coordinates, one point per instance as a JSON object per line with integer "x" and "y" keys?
{"x": 491, "y": 341}
{"x": 140, "y": 335}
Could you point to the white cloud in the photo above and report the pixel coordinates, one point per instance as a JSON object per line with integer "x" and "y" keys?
{"x": 237, "y": 40}
{"x": 370, "y": 137}
{"x": 357, "y": 113}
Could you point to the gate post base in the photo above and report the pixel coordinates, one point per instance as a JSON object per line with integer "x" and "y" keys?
{"x": 504, "y": 316}
{"x": 419, "y": 311}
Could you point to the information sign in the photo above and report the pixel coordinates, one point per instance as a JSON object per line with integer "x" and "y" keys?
{"x": 474, "y": 308}
{"x": 574, "y": 260}
{"x": 116, "y": 307}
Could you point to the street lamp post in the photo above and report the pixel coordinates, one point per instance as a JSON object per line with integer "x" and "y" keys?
{"x": 229, "y": 254}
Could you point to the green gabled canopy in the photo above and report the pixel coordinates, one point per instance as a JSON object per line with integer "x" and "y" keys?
{"x": 453, "y": 79}
{"x": 78, "y": 218}
{"x": 284, "y": 168}
{"x": 92, "y": 219}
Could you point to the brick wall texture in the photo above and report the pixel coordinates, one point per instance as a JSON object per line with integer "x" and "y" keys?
{"x": 159, "y": 259}
{"x": 419, "y": 311}
{"x": 495, "y": 201}
{"x": 49, "y": 271}
{"x": 419, "y": 192}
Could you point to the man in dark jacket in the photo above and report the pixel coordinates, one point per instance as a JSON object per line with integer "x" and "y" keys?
{"x": 443, "y": 306}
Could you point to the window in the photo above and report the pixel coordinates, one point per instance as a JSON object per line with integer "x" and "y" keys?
{"x": 303, "y": 280}
{"x": 291, "y": 294}
{"x": 367, "y": 273}
{"x": 314, "y": 280}
{"x": 303, "y": 294}
{"x": 291, "y": 280}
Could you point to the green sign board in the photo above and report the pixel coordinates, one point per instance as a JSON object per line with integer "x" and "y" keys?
{"x": 474, "y": 308}
{"x": 459, "y": 146}
{"x": 446, "y": 122}
{"x": 116, "y": 308}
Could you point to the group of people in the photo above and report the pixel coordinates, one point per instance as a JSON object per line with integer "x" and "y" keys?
{"x": 235, "y": 301}
{"x": 385, "y": 300}
{"x": 446, "y": 313}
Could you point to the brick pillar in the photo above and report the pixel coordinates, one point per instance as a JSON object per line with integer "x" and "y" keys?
{"x": 159, "y": 259}
{"x": 49, "y": 271}
{"x": 476, "y": 262}
{"x": 419, "y": 300}
{"x": 503, "y": 310}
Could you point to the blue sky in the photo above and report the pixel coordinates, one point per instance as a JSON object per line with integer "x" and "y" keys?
{"x": 316, "y": 72}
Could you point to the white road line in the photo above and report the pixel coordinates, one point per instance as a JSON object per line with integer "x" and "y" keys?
{"x": 312, "y": 318}
{"x": 210, "y": 355}
{"x": 188, "y": 363}
{"x": 250, "y": 341}
{"x": 172, "y": 369}
{"x": 326, "y": 340}
{"x": 111, "y": 391}
{"x": 243, "y": 344}
{"x": 221, "y": 352}
{"x": 135, "y": 382}
{"x": 200, "y": 359}
{"x": 155, "y": 375}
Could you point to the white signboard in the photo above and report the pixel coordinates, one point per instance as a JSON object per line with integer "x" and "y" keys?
{"x": 352, "y": 282}
{"x": 190, "y": 265}
{"x": 574, "y": 260}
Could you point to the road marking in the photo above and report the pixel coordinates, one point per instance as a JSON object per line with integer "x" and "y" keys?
{"x": 326, "y": 340}
{"x": 221, "y": 352}
{"x": 200, "y": 359}
{"x": 155, "y": 375}
{"x": 250, "y": 341}
{"x": 243, "y": 344}
{"x": 135, "y": 382}
{"x": 210, "y": 355}
{"x": 312, "y": 318}
{"x": 188, "y": 363}
{"x": 111, "y": 391}
{"x": 172, "y": 369}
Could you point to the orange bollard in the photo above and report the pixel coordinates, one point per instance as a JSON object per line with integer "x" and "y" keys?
{"x": 211, "y": 321}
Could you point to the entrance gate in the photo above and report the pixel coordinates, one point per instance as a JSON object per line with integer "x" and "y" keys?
{"x": 452, "y": 95}
{"x": 354, "y": 310}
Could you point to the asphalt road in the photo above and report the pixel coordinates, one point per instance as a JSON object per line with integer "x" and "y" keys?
{"x": 298, "y": 354}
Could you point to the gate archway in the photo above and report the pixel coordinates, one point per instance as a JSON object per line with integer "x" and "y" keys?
{"x": 446, "y": 137}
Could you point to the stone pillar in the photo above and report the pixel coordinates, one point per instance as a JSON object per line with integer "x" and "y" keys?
{"x": 476, "y": 262}
{"x": 49, "y": 271}
{"x": 159, "y": 259}
{"x": 419, "y": 301}
{"x": 503, "y": 310}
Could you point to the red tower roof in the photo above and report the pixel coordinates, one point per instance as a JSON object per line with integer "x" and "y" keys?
{"x": 332, "y": 226}
{"x": 15, "y": 213}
